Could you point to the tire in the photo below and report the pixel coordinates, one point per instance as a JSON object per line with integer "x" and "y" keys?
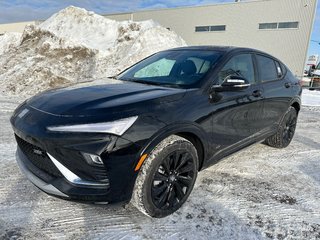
{"x": 166, "y": 177}
{"x": 285, "y": 131}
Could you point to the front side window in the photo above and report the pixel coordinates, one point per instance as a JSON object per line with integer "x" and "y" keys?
{"x": 172, "y": 68}
{"x": 267, "y": 68}
{"x": 240, "y": 65}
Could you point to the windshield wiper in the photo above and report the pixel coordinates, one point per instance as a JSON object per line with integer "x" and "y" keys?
{"x": 143, "y": 82}
{"x": 114, "y": 77}
{"x": 162, "y": 84}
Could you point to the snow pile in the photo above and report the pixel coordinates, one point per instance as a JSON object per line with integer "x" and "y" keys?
{"x": 9, "y": 41}
{"x": 75, "y": 45}
{"x": 310, "y": 98}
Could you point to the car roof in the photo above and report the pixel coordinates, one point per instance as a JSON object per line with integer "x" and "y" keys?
{"x": 225, "y": 49}
{"x": 217, "y": 48}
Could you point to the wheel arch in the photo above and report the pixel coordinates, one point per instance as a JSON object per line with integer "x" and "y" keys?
{"x": 191, "y": 132}
{"x": 197, "y": 143}
{"x": 296, "y": 106}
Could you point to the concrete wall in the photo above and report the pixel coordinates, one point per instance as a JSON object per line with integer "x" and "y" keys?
{"x": 242, "y": 26}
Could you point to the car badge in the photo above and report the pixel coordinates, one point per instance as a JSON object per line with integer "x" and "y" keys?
{"x": 37, "y": 151}
{"x": 23, "y": 113}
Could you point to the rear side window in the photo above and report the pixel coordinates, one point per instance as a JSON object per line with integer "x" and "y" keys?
{"x": 267, "y": 68}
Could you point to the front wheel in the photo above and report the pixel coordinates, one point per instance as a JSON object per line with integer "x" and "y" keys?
{"x": 166, "y": 178}
{"x": 285, "y": 131}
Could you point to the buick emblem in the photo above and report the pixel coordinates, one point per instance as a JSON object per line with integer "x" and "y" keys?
{"x": 37, "y": 151}
{"x": 23, "y": 113}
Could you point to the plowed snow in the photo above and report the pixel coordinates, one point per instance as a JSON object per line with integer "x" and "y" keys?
{"x": 76, "y": 45}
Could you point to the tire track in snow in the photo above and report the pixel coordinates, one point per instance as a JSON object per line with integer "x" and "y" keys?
{"x": 255, "y": 194}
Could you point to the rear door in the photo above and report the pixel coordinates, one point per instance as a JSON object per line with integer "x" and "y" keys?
{"x": 277, "y": 91}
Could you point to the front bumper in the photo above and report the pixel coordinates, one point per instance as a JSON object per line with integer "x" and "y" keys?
{"x": 56, "y": 163}
{"x": 79, "y": 190}
{"x": 46, "y": 187}
{"x": 54, "y": 177}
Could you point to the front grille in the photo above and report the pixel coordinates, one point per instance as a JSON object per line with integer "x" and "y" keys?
{"x": 38, "y": 157}
{"x": 100, "y": 174}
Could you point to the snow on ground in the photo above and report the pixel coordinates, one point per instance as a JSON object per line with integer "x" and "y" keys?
{"x": 258, "y": 193}
{"x": 310, "y": 98}
{"x": 75, "y": 45}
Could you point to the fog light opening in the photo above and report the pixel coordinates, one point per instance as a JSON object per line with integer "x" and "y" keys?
{"x": 92, "y": 159}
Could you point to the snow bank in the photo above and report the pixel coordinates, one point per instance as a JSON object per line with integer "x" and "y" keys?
{"x": 9, "y": 41}
{"x": 310, "y": 98}
{"x": 75, "y": 45}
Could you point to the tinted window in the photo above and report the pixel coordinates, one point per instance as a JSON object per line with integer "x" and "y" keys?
{"x": 267, "y": 68}
{"x": 268, "y": 25}
{"x": 240, "y": 65}
{"x": 279, "y": 70}
{"x": 215, "y": 28}
{"x": 218, "y": 28}
{"x": 280, "y": 25}
{"x": 288, "y": 25}
{"x": 202, "y": 29}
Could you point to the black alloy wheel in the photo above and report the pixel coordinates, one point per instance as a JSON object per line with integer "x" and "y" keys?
{"x": 173, "y": 179}
{"x": 286, "y": 130}
{"x": 166, "y": 177}
{"x": 289, "y": 128}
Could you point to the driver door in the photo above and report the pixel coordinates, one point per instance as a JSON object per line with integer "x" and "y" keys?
{"x": 237, "y": 113}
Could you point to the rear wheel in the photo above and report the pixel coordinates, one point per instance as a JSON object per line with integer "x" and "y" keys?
{"x": 166, "y": 178}
{"x": 285, "y": 131}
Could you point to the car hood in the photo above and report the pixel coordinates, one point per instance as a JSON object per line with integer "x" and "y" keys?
{"x": 80, "y": 100}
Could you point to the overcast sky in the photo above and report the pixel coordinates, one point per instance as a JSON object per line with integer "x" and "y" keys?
{"x": 24, "y": 10}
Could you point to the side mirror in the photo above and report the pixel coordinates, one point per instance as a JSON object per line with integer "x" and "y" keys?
{"x": 232, "y": 83}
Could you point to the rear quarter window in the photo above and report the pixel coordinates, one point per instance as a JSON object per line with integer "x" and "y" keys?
{"x": 267, "y": 68}
{"x": 279, "y": 70}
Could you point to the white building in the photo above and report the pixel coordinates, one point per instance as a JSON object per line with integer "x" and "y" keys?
{"x": 279, "y": 27}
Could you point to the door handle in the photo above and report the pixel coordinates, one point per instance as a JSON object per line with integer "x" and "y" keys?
{"x": 287, "y": 85}
{"x": 257, "y": 93}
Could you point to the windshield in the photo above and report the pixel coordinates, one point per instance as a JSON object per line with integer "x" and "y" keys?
{"x": 172, "y": 68}
{"x": 318, "y": 67}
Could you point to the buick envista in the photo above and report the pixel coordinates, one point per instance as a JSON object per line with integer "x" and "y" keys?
{"x": 143, "y": 136}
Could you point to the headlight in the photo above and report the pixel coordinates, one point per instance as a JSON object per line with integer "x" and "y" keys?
{"x": 116, "y": 127}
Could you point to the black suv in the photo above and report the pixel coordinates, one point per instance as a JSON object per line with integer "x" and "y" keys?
{"x": 144, "y": 136}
